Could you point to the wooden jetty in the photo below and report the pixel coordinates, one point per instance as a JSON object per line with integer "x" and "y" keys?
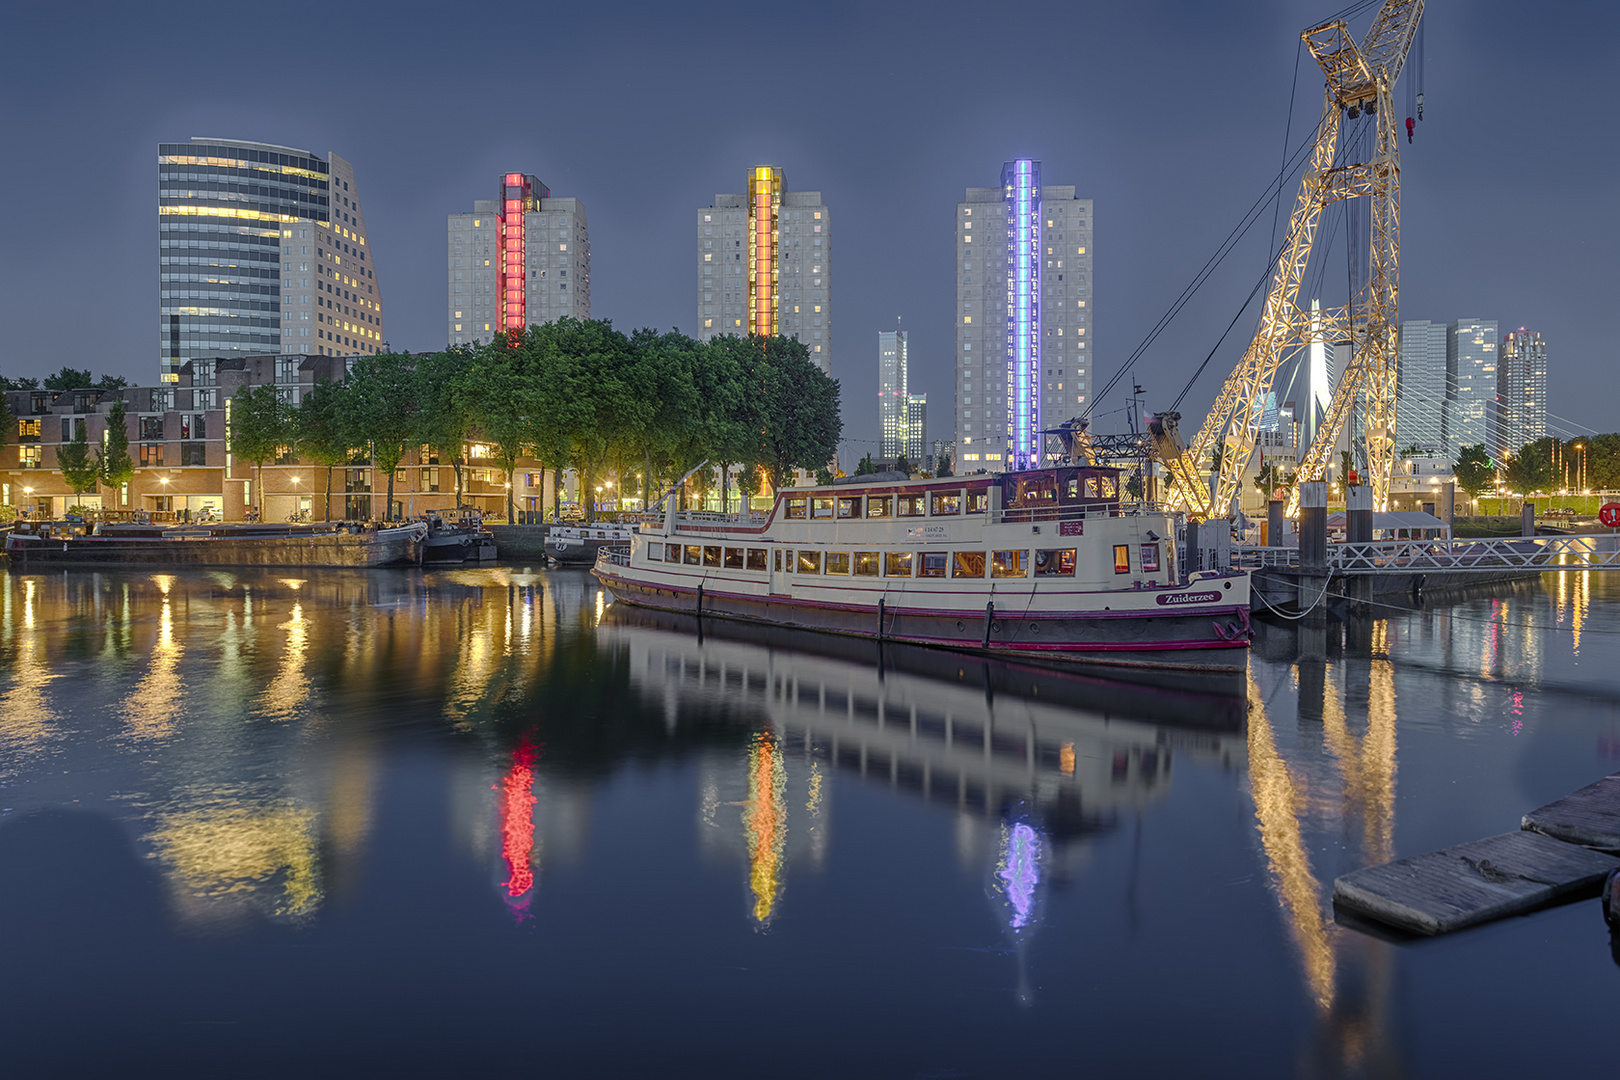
{"x": 1551, "y": 858}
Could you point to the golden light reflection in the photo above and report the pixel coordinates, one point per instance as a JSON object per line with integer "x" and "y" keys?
{"x": 1277, "y": 804}
{"x": 1368, "y": 764}
{"x": 266, "y": 854}
{"x": 155, "y": 704}
{"x": 764, "y": 819}
{"x": 27, "y": 720}
{"x": 284, "y": 698}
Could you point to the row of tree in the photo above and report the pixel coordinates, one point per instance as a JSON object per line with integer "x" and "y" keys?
{"x": 1547, "y": 464}
{"x": 568, "y": 395}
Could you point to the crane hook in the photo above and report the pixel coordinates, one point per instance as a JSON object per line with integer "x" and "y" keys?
{"x": 1410, "y": 124}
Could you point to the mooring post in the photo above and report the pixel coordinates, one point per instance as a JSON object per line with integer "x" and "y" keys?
{"x": 1274, "y": 523}
{"x": 1313, "y": 575}
{"x": 1448, "y": 507}
{"x": 1358, "y": 530}
{"x": 1527, "y": 519}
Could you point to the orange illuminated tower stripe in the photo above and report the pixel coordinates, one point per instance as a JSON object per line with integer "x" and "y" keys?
{"x": 764, "y": 210}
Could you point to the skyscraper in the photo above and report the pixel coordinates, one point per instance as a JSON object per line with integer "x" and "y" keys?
{"x": 515, "y": 261}
{"x": 1470, "y": 381}
{"x": 764, "y": 264}
{"x": 262, "y": 249}
{"x": 1420, "y": 387}
{"x": 892, "y": 393}
{"x": 916, "y": 428}
{"x": 1023, "y": 267}
{"x": 1520, "y": 415}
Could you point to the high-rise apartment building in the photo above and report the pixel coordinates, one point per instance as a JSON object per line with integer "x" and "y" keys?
{"x": 1520, "y": 415}
{"x": 893, "y": 393}
{"x": 262, "y": 249}
{"x": 1023, "y": 273}
{"x": 916, "y": 428}
{"x": 1470, "y": 382}
{"x": 764, "y": 265}
{"x": 1421, "y": 404}
{"x": 515, "y": 261}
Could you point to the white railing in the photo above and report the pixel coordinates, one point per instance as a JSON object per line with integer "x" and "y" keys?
{"x": 1594, "y": 552}
{"x": 614, "y": 556}
{"x": 1016, "y": 515}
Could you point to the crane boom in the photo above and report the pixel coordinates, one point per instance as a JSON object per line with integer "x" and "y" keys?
{"x": 1358, "y": 77}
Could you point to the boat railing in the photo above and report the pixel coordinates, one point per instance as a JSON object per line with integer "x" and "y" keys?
{"x": 1020, "y": 514}
{"x": 614, "y": 556}
{"x": 714, "y": 517}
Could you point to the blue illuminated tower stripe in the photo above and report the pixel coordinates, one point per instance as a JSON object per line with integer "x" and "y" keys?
{"x": 1021, "y": 188}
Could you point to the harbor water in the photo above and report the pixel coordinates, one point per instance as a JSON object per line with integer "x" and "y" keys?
{"x": 340, "y": 823}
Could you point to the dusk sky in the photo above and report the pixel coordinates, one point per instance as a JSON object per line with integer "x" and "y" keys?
{"x": 1171, "y": 116}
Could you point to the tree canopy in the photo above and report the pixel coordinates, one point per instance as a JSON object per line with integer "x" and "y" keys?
{"x": 74, "y": 461}
{"x": 113, "y": 462}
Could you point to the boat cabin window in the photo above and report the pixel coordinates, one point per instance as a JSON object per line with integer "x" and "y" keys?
{"x": 1008, "y": 563}
{"x": 672, "y": 553}
{"x": 1091, "y": 487}
{"x": 933, "y": 564}
{"x": 795, "y": 508}
{"x": 1150, "y": 558}
{"x": 837, "y": 562}
{"x": 909, "y": 506}
{"x": 879, "y": 506}
{"x": 897, "y": 564}
{"x": 946, "y": 503}
{"x": 866, "y": 564}
{"x": 1110, "y": 489}
{"x": 777, "y": 559}
{"x": 1059, "y": 562}
{"x": 967, "y": 564}
{"x": 1035, "y": 490}
{"x": 756, "y": 559}
{"x": 978, "y": 501}
{"x": 734, "y": 559}
{"x": 821, "y": 506}
{"x": 849, "y": 506}
{"x": 694, "y": 555}
{"x": 1071, "y": 486}
{"x": 711, "y": 555}
{"x": 809, "y": 562}
{"x": 655, "y": 552}
{"x": 1122, "y": 558}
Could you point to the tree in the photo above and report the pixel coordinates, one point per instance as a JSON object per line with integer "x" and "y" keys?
{"x": 70, "y": 379}
{"x": 1475, "y": 472}
{"x": 866, "y": 466}
{"x": 798, "y": 407}
{"x": 444, "y": 421}
{"x": 258, "y": 429}
{"x": 113, "y": 462}
{"x": 321, "y": 428}
{"x": 943, "y": 470}
{"x": 19, "y": 383}
{"x": 1531, "y": 469}
{"x": 73, "y": 459}
{"x": 824, "y": 476}
{"x": 902, "y": 465}
{"x": 383, "y": 407}
{"x": 1603, "y": 462}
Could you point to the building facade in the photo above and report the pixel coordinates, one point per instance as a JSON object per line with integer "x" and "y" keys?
{"x": 1520, "y": 414}
{"x": 764, "y": 260}
{"x": 916, "y": 428}
{"x": 893, "y": 393}
{"x": 1421, "y": 398}
{"x": 516, "y": 261}
{"x": 262, "y": 249}
{"x": 1470, "y": 382}
{"x": 1023, "y": 274}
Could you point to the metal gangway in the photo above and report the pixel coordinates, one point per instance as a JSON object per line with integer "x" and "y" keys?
{"x": 1598, "y": 551}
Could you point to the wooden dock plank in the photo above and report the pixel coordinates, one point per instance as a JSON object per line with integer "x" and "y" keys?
{"x": 1471, "y": 883}
{"x": 1590, "y": 816}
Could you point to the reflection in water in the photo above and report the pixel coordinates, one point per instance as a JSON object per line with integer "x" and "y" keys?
{"x": 287, "y": 693}
{"x": 1019, "y": 872}
{"x": 27, "y": 720}
{"x": 764, "y": 819}
{"x": 517, "y": 825}
{"x": 232, "y": 853}
{"x": 152, "y": 708}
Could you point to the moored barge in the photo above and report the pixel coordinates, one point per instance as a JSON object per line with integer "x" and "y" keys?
{"x": 1041, "y": 564}
{"x": 72, "y": 543}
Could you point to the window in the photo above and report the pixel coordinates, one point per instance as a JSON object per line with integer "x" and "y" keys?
{"x": 693, "y": 555}
{"x": 1008, "y": 563}
{"x": 194, "y": 453}
{"x": 967, "y": 564}
{"x": 28, "y": 457}
{"x": 733, "y": 559}
{"x": 795, "y": 509}
{"x": 151, "y": 455}
{"x": 711, "y": 555}
{"x": 821, "y": 506}
{"x": 672, "y": 553}
{"x": 849, "y": 507}
{"x": 1109, "y": 488}
{"x": 655, "y": 552}
{"x": 909, "y": 506}
{"x": 1150, "y": 558}
{"x": 897, "y": 564}
{"x": 946, "y": 503}
{"x": 1122, "y": 558}
{"x": 933, "y": 564}
{"x": 1055, "y": 563}
{"x": 777, "y": 559}
{"x": 28, "y": 429}
{"x": 879, "y": 506}
{"x": 837, "y": 562}
{"x": 809, "y": 562}
{"x": 430, "y": 479}
{"x": 756, "y": 559}
{"x": 978, "y": 502}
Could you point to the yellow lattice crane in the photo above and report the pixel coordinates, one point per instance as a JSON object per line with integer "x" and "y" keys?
{"x": 1359, "y": 78}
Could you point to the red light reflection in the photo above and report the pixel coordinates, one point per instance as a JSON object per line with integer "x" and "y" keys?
{"x": 517, "y": 821}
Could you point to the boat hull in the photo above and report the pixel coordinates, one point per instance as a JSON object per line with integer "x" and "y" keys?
{"x": 390, "y": 547}
{"x": 1211, "y": 637}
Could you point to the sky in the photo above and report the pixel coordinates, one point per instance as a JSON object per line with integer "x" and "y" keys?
{"x": 1170, "y": 116}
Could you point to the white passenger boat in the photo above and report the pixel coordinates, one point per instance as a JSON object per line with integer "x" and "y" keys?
{"x": 1044, "y": 563}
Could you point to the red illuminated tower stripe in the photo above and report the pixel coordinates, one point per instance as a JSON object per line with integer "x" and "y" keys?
{"x": 519, "y": 196}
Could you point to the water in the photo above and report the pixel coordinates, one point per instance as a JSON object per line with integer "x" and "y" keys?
{"x": 365, "y": 823}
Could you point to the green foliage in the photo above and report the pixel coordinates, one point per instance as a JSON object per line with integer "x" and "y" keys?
{"x": 824, "y": 476}
{"x": 902, "y": 465}
{"x": 1475, "y": 471}
{"x": 444, "y": 420}
{"x": 943, "y": 467}
{"x": 260, "y": 425}
{"x": 113, "y": 462}
{"x": 322, "y": 433}
{"x": 1531, "y": 469}
{"x": 20, "y": 383}
{"x": 866, "y": 466}
{"x": 74, "y": 461}
{"x": 70, "y": 379}
{"x": 383, "y": 403}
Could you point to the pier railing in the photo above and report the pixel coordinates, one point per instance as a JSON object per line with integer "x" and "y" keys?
{"x": 1594, "y": 552}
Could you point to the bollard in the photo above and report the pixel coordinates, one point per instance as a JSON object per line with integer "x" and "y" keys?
{"x": 1274, "y": 523}
{"x": 1527, "y": 519}
{"x": 1448, "y": 506}
{"x": 1358, "y": 514}
{"x": 1313, "y": 526}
